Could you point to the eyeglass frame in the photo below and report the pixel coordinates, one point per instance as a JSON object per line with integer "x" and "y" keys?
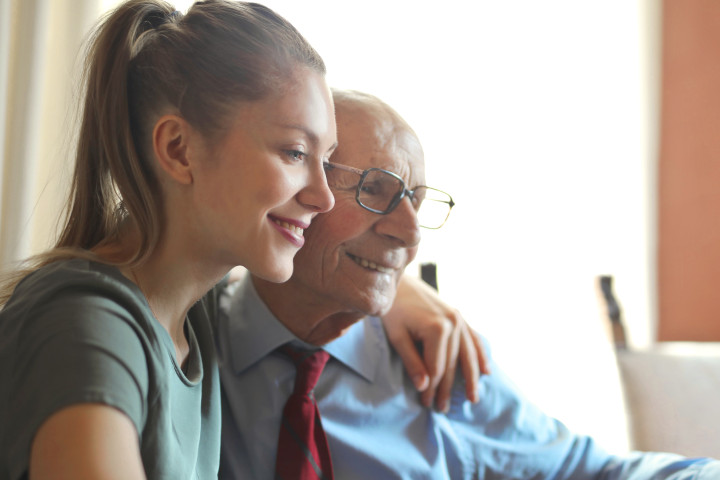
{"x": 397, "y": 198}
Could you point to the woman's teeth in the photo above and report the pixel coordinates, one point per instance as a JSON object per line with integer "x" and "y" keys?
{"x": 296, "y": 230}
{"x": 371, "y": 265}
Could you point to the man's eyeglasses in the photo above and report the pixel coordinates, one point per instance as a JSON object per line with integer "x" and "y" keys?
{"x": 381, "y": 191}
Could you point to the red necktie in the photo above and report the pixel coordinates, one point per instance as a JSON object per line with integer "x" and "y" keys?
{"x": 303, "y": 452}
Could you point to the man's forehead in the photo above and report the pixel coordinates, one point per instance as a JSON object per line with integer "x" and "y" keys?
{"x": 410, "y": 168}
{"x": 373, "y": 139}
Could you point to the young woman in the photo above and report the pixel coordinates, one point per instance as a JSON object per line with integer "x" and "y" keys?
{"x": 201, "y": 147}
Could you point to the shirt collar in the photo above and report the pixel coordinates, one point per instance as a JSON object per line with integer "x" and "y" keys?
{"x": 254, "y": 332}
{"x": 360, "y": 348}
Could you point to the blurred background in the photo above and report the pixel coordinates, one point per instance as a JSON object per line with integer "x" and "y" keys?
{"x": 578, "y": 138}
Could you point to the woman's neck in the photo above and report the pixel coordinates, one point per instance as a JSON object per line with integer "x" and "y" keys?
{"x": 171, "y": 280}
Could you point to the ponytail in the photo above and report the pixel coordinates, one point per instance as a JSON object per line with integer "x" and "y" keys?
{"x": 111, "y": 183}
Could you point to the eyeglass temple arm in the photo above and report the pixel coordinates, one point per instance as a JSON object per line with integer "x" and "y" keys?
{"x": 346, "y": 168}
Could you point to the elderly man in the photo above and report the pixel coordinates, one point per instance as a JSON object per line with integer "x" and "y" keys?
{"x": 374, "y": 422}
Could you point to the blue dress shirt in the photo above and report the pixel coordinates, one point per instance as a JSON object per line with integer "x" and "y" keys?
{"x": 376, "y": 426}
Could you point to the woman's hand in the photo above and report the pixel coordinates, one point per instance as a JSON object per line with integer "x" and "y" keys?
{"x": 418, "y": 315}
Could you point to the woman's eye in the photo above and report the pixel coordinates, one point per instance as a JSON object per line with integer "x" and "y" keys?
{"x": 296, "y": 154}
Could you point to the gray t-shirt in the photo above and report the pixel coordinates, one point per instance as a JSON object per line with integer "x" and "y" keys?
{"x": 77, "y": 331}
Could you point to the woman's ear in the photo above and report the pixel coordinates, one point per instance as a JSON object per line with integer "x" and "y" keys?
{"x": 172, "y": 138}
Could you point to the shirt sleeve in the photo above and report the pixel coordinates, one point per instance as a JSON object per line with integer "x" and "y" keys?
{"x": 77, "y": 348}
{"x": 660, "y": 466}
{"x": 509, "y": 437}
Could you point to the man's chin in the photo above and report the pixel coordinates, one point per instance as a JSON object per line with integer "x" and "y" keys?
{"x": 379, "y": 308}
{"x": 326, "y": 335}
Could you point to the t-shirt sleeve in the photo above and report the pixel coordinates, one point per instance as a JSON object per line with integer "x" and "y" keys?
{"x": 77, "y": 348}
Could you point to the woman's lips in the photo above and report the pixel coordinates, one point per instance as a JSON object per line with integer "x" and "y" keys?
{"x": 291, "y": 229}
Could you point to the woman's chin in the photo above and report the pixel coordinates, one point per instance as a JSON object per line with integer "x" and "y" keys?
{"x": 276, "y": 275}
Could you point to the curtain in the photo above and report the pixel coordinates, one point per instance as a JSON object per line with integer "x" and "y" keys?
{"x": 40, "y": 42}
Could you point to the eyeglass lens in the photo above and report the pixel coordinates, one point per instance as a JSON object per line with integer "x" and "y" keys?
{"x": 381, "y": 191}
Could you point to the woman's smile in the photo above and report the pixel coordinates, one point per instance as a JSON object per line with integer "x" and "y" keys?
{"x": 291, "y": 229}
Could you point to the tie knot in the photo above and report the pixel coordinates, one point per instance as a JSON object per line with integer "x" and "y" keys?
{"x": 309, "y": 366}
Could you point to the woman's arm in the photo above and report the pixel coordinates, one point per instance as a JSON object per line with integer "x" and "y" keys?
{"x": 86, "y": 441}
{"x": 419, "y": 315}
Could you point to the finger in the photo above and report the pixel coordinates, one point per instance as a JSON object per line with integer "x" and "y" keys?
{"x": 435, "y": 348}
{"x": 470, "y": 363}
{"x": 482, "y": 355}
{"x": 414, "y": 365}
{"x": 444, "y": 389}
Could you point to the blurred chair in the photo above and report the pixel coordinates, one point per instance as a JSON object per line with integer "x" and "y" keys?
{"x": 671, "y": 389}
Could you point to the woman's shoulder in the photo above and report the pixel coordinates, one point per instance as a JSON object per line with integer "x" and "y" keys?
{"x": 75, "y": 293}
{"x": 79, "y": 275}
{"x": 74, "y": 269}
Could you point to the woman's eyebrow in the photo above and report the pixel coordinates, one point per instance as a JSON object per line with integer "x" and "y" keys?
{"x": 312, "y": 136}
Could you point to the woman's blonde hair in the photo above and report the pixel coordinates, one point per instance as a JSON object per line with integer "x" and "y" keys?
{"x": 145, "y": 59}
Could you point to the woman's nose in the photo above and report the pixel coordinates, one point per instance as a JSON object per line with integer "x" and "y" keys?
{"x": 317, "y": 196}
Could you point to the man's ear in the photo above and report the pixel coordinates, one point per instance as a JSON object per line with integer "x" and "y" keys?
{"x": 172, "y": 137}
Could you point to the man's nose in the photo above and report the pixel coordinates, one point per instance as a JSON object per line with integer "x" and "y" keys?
{"x": 401, "y": 225}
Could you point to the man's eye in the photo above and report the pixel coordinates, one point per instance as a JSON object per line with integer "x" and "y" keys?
{"x": 371, "y": 188}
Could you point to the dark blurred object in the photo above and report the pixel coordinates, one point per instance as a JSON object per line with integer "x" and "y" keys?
{"x": 614, "y": 312}
{"x": 428, "y": 272}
